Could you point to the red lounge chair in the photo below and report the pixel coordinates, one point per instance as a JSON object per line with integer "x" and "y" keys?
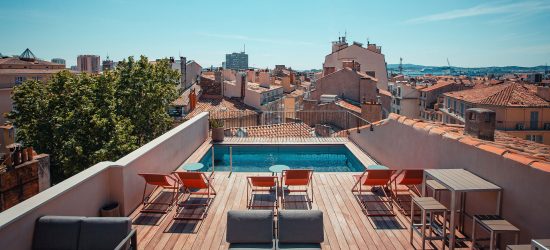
{"x": 298, "y": 177}
{"x": 411, "y": 179}
{"x": 194, "y": 184}
{"x": 262, "y": 184}
{"x": 164, "y": 182}
{"x": 379, "y": 178}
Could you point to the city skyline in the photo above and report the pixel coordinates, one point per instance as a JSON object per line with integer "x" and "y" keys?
{"x": 469, "y": 33}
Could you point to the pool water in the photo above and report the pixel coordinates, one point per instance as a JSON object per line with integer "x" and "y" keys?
{"x": 258, "y": 158}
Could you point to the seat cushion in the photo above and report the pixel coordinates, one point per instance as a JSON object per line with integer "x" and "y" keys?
{"x": 299, "y": 246}
{"x": 301, "y": 226}
{"x": 103, "y": 232}
{"x": 57, "y": 232}
{"x": 249, "y": 246}
{"x": 250, "y": 226}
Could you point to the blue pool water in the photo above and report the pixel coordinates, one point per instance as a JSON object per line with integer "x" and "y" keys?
{"x": 255, "y": 158}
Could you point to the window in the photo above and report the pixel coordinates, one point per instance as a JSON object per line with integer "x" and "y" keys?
{"x": 535, "y": 138}
{"x": 462, "y": 109}
{"x": 448, "y": 103}
{"x": 454, "y": 106}
{"x": 399, "y": 91}
{"x": 397, "y": 101}
{"x": 20, "y": 79}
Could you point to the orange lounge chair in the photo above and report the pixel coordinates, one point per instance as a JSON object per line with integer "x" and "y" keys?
{"x": 375, "y": 178}
{"x": 262, "y": 184}
{"x": 297, "y": 177}
{"x": 194, "y": 184}
{"x": 411, "y": 179}
{"x": 164, "y": 182}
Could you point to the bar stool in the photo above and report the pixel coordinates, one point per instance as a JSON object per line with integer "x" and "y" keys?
{"x": 436, "y": 188}
{"x": 429, "y": 205}
{"x": 495, "y": 225}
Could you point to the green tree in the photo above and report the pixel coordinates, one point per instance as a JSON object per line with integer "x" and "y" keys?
{"x": 84, "y": 119}
{"x": 144, "y": 92}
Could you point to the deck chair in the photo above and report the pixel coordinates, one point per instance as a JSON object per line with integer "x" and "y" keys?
{"x": 194, "y": 184}
{"x": 159, "y": 181}
{"x": 262, "y": 184}
{"x": 411, "y": 179}
{"x": 297, "y": 178}
{"x": 380, "y": 179}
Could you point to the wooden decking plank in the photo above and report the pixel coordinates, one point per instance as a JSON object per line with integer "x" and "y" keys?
{"x": 342, "y": 232}
{"x": 371, "y": 238}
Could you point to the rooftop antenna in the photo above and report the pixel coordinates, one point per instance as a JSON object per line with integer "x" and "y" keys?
{"x": 368, "y": 40}
{"x": 400, "y": 65}
{"x": 244, "y": 48}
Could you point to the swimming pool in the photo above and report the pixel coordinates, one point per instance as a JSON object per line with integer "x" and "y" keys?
{"x": 258, "y": 158}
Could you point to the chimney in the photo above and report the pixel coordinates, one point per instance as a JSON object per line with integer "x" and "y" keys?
{"x": 183, "y": 68}
{"x": 544, "y": 92}
{"x": 371, "y": 111}
{"x": 243, "y": 85}
{"x": 480, "y": 123}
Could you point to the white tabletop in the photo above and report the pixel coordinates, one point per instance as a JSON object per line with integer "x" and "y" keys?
{"x": 461, "y": 180}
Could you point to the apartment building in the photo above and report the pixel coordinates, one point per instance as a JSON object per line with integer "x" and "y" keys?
{"x": 236, "y": 61}
{"x": 88, "y": 63}
{"x": 370, "y": 59}
{"x": 16, "y": 70}
{"x": 347, "y": 83}
{"x": 262, "y": 95}
{"x": 405, "y": 98}
{"x": 429, "y": 96}
{"x": 522, "y": 110}
{"x": 191, "y": 71}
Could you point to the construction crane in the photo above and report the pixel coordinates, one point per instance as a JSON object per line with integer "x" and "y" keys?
{"x": 450, "y": 68}
{"x": 400, "y": 65}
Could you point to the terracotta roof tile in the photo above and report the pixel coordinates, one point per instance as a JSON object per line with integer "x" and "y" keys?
{"x": 221, "y": 108}
{"x": 519, "y": 158}
{"x": 348, "y": 106}
{"x": 508, "y": 94}
{"x": 514, "y": 148}
{"x": 277, "y": 130}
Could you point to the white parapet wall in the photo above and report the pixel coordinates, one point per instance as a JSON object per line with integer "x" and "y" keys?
{"x": 86, "y": 192}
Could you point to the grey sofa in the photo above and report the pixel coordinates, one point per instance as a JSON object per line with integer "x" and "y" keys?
{"x": 82, "y": 233}
{"x": 254, "y": 229}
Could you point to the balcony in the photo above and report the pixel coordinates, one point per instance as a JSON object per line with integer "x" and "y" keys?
{"x": 393, "y": 142}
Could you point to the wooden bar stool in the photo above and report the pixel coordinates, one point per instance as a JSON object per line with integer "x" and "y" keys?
{"x": 495, "y": 225}
{"x": 429, "y": 207}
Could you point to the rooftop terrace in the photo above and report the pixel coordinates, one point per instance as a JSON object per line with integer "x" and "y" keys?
{"x": 397, "y": 142}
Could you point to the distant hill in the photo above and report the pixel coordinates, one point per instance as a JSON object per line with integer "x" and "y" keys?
{"x": 407, "y": 66}
{"x": 414, "y": 69}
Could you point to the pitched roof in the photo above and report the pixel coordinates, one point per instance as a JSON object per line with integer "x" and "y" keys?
{"x": 221, "y": 108}
{"x": 508, "y": 94}
{"x": 278, "y": 130}
{"x": 436, "y": 86}
{"x": 348, "y": 106}
{"x": 18, "y": 61}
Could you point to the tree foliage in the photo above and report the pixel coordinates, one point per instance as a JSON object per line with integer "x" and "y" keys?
{"x": 82, "y": 119}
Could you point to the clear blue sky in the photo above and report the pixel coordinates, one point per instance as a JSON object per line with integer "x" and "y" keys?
{"x": 296, "y": 33}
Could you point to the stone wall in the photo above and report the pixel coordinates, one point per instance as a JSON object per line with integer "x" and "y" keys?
{"x": 23, "y": 181}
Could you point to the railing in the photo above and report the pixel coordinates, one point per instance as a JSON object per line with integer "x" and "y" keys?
{"x": 289, "y": 123}
{"x": 522, "y": 125}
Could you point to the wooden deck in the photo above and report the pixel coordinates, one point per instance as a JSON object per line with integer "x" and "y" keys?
{"x": 346, "y": 227}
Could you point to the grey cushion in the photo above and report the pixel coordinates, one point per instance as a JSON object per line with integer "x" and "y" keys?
{"x": 103, "y": 232}
{"x": 249, "y": 246}
{"x": 250, "y": 226}
{"x": 57, "y": 232}
{"x": 299, "y": 246}
{"x": 301, "y": 226}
